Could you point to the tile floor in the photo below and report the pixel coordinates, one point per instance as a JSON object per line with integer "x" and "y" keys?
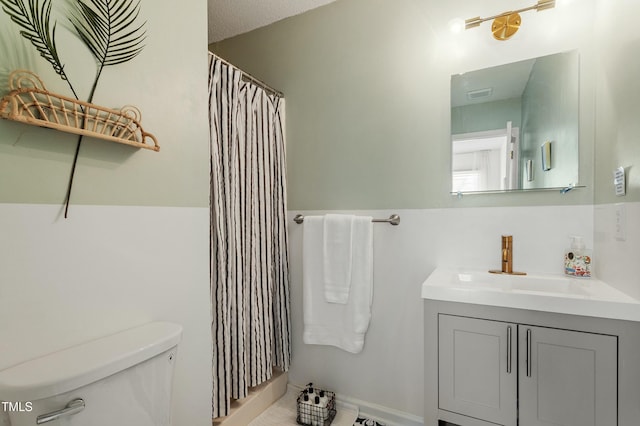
{"x": 361, "y": 421}
{"x": 283, "y": 413}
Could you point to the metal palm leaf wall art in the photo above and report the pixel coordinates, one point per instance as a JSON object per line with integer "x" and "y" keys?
{"x": 112, "y": 32}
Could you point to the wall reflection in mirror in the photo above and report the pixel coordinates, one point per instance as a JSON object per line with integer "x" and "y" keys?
{"x": 515, "y": 126}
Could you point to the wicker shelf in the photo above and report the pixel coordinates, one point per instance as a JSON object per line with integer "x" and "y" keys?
{"x": 30, "y": 102}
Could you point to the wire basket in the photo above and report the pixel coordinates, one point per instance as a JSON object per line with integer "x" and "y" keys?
{"x": 316, "y": 407}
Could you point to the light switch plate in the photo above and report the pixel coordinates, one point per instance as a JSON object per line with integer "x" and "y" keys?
{"x": 619, "y": 181}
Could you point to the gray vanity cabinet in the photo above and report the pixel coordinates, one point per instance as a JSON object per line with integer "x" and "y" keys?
{"x": 567, "y": 378}
{"x": 478, "y": 368}
{"x": 513, "y": 374}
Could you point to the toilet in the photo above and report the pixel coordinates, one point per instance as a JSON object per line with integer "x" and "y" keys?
{"x": 124, "y": 379}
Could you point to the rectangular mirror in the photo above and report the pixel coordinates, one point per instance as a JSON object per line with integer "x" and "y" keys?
{"x": 515, "y": 126}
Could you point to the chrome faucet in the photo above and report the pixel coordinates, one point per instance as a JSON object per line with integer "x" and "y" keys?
{"x": 507, "y": 257}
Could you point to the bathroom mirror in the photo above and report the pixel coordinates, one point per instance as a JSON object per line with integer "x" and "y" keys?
{"x": 515, "y": 127}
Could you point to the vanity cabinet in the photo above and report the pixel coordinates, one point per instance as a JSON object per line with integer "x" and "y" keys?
{"x": 510, "y": 374}
{"x": 477, "y": 371}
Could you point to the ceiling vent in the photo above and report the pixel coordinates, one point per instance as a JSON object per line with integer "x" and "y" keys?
{"x": 479, "y": 94}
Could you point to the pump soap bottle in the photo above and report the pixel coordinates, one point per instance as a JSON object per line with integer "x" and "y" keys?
{"x": 577, "y": 259}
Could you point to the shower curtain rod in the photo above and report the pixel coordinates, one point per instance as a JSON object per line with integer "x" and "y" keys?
{"x": 246, "y": 76}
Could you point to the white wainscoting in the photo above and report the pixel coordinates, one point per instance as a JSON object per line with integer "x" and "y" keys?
{"x": 106, "y": 269}
{"x": 617, "y": 261}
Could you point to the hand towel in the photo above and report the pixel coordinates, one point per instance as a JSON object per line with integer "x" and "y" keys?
{"x": 337, "y": 255}
{"x": 334, "y": 324}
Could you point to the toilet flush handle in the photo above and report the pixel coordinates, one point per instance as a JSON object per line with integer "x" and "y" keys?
{"x": 73, "y": 407}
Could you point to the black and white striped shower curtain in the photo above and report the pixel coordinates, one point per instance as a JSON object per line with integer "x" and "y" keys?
{"x": 249, "y": 259}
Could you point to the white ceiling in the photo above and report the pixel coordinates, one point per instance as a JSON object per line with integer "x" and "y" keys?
{"x": 228, "y": 18}
{"x": 506, "y": 81}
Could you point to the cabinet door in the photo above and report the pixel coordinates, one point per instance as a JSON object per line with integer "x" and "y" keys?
{"x": 567, "y": 378}
{"x": 477, "y": 368}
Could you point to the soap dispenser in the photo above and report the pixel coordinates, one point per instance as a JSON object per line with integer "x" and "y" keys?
{"x": 577, "y": 259}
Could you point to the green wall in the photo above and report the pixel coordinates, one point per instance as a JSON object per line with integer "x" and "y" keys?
{"x": 617, "y": 101}
{"x": 356, "y": 128}
{"x": 550, "y": 113}
{"x": 167, "y": 82}
{"x": 486, "y": 116}
{"x": 367, "y": 90}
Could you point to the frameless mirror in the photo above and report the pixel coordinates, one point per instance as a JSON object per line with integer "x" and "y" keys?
{"x": 515, "y": 126}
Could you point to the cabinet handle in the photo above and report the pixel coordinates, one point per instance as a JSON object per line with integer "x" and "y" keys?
{"x": 528, "y": 352}
{"x": 509, "y": 350}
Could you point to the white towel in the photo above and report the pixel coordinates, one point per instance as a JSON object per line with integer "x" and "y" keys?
{"x": 334, "y": 324}
{"x": 337, "y": 255}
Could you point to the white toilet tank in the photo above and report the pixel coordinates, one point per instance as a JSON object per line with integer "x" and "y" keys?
{"x": 120, "y": 380}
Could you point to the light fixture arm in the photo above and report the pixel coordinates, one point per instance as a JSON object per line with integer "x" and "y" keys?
{"x": 541, "y": 5}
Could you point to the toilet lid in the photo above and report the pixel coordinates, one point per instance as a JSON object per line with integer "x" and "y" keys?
{"x": 78, "y": 366}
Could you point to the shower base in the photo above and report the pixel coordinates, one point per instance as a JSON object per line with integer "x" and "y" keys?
{"x": 260, "y": 398}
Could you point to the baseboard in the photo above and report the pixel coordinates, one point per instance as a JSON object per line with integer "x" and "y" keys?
{"x": 385, "y": 415}
{"x": 259, "y": 399}
{"x": 379, "y": 413}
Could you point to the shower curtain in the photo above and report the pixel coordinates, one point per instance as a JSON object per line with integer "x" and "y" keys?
{"x": 249, "y": 259}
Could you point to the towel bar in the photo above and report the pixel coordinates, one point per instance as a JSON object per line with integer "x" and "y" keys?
{"x": 394, "y": 219}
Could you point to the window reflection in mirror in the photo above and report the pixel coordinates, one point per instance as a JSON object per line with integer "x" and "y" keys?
{"x": 534, "y": 101}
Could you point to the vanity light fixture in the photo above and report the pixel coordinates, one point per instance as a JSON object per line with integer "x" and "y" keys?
{"x": 507, "y": 24}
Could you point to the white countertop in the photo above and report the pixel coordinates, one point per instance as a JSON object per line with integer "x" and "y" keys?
{"x": 547, "y": 293}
